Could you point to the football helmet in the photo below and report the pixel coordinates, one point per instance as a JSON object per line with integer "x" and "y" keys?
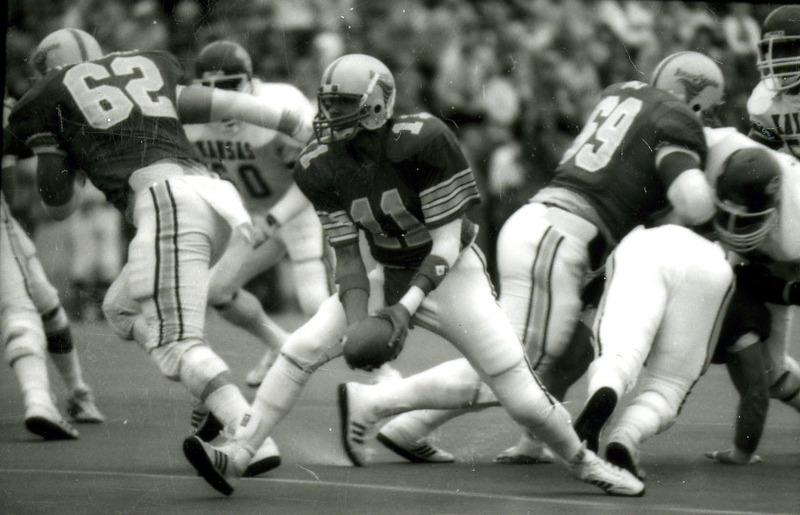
{"x": 779, "y": 48}
{"x": 224, "y": 65}
{"x": 356, "y": 92}
{"x": 63, "y": 47}
{"x": 694, "y": 78}
{"x": 747, "y": 198}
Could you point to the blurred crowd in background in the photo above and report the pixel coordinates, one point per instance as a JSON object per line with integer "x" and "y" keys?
{"x": 514, "y": 78}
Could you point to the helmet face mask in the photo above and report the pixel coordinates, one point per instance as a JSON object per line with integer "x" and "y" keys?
{"x": 779, "y": 49}
{"x": 694, "y": 78}
{"x": 356, "y": 92}
{"x": 741, "y": 230}
{"x": 225, "y": 65}
{"x": 779, "y": 60}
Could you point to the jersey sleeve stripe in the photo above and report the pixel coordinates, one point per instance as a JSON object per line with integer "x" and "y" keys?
{"x": 445, "y": 211}
{"x": 339, "y": 229}
{"x": 44, "y": 143}
{"x": 665, "y": 150}
{"x": 445, "y": 184}
{"x": 433, "y": 204}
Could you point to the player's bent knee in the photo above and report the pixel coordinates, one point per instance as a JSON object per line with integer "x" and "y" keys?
{"x": 201, "y": 370}
{"x": 119, "y": 318}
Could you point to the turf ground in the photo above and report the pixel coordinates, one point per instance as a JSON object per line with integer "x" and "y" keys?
{"x": 133, "y": 463}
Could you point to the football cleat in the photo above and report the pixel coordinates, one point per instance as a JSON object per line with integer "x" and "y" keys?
{"x": 586, "y": 466}
{"x": 622, "y": 452}
{"x": 420, "y": 451}
{"x": 217, "y": 465}
{"x": 82, "y": 409}
{"x": 259, "y": 372}
{"x": 206, "y": 426}
{"x": 47, "y": 422}
{"x": 594, "y": 416}
{"x": 266, "y": 458}
{"x": 356, "y": 424}
{"x": 528, "y": 451}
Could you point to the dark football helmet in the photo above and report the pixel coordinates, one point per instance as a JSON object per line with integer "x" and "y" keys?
{"x": 747, "y": 198}
{"x": 225, "y": 65}
{"x": 779, "y": 48}
{"x": 356, "y": 92}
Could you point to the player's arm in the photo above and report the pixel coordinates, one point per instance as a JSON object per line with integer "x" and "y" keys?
{"x": 200, "y": 104}
{"x": 289, "y": 206}
{"x": 57, "y": 184}
{"x": 747, "y": 369}
{"x": 351, "y": 277}
{"x": 689, "y": 192}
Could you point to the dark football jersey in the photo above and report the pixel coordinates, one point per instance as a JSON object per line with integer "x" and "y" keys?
{"x": 110, "y": 117}
{"x": 395, "y": 183}
{"x": 612, "y": 162}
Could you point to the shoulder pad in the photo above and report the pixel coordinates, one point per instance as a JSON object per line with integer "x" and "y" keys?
{"x": 410, "y": 134}
{"x": 313, "y": 150}
{"x": 761, "y": 100}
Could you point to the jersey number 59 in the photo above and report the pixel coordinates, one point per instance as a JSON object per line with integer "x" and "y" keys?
{"x": 105, "y": 105}
{"x": 608, "y": 124}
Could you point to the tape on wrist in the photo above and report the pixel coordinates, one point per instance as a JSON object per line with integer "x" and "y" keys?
{"x": 431, "y": 273}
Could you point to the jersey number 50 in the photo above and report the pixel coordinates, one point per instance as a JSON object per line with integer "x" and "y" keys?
{"x": 104, "y": 105}
{"x": 618, "y": 119}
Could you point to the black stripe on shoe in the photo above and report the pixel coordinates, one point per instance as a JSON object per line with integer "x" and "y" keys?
{"x": 196, "y": 454}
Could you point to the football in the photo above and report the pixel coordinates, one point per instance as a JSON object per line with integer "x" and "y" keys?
{"x": 366, "y": 343}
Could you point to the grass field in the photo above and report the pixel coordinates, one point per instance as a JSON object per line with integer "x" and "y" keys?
{"x": 133, "y": 463}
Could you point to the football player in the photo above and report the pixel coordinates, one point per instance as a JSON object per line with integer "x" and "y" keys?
{"x": 758, "y": 220}
{"x": 33, "y": 318}
{"x": 259, "y": 161}
{"x": 640, "y": 153}
{"x": 117, "y": 118}
{"x": 774, "y": 104}
{"x": 406, "y": 183}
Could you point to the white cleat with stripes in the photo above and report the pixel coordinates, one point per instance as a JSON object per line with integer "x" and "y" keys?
{"x": 586, "y": 466}
{"x": 217, "y": 465}
{"x": 356, "y": 422}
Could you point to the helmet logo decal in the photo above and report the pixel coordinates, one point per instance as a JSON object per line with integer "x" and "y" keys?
{"x": 386, "y": 87}
{"x": 694, "y": 84}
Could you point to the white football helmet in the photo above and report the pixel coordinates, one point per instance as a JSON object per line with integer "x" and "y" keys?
{"x": 694, "y": 78}
{"x": 779, "y": 49}
{"x": 63, "y": 47}
{"x": 747, "y": 198}
{"x": 356, "y": 92}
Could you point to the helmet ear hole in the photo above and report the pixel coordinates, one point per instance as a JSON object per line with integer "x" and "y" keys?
{"x": 377, "y": 109}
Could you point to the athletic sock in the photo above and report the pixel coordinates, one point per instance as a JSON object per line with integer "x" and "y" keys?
{"x": 69, "y": 368}
{"x": 227, "y": 404}
{"x": 274, "y": 399}
{"x": 31, "y": 372}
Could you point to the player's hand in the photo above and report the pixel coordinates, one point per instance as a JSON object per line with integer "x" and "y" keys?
{"x": 733, "y": 457}
{"x": 264, "y": 228}
{"x": 399, "y": 317}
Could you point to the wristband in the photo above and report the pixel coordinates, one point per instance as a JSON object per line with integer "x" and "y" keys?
{"x": 354, "y": 281}
{"x": 431, "y": 273}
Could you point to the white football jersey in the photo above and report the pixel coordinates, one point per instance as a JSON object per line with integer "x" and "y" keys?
{"x": 258, "y": 160}
{"x": 775, "y": 114}
{"x": 783, "y": 242}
